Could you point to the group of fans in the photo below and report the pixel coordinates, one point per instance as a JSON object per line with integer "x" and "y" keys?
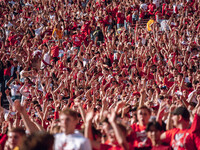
{"x": 89, "y": 74}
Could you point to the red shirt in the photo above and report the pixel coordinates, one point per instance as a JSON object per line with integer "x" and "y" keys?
{"x": 182, "y": 139}
{"x": 7, "y": 71}
{"x": 55, "y": 51}
{"x": 161, "y": 147}
{"x": 151, "y": 7}
{"x": 138, "y": 138}
{"x": 110, "y": 147}
{"x": 77, "y": 40}
{"x": 120, "y": 18}
{"x": 129, "y": 18}
{"x": 187, "y": 139}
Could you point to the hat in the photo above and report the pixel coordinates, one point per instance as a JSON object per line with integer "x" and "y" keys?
{"x": 163, "y": 87}
{"x": 183, "y": 112}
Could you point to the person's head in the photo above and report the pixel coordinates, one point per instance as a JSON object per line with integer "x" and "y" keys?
{"x": 153, "y": 130}
{"x": 38, "y": 141}
{"x": 68, "y": 121}
{"x": 143, "y": 115}
{"x": 163, "y": 89}
{"x": 180, "y": 116}
{"x": 15, "y": 137}
{"x": 15, "y": 63}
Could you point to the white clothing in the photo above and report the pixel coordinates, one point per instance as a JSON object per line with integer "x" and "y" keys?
{"x": 12, "y": 69}
{"x": 15, "y": 89}
{"x": 38, "y": 30}
{"x": 46, "y": 58}
{"x": 74, "y": 141}
{"x": 157, "y": 3}
{"x": 143, "y": 6}
{"x": 194, "y": 99}
{"x": 164, "y": 25}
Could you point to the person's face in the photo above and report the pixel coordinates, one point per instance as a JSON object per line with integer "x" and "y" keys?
{"x": 67, "y": 123}
{"x": 185, "y": 93}
{"x": 175, "y": 119}
{"x": 14, "y": 139}
{"x": 111, "y": 135}
{"x": 154, "y": 134}
{"x": 143, "y": 116}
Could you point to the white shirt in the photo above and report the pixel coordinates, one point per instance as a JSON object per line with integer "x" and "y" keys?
{"x": 74, "y": 141}
{"x": 46, "y": 58}
{"x": 143, "y": 6}
{"x": 164, "y": 25}
{"x": 157, "y": 3}
{"x": 15, "y": 89}
{"x": 38, "y": 30}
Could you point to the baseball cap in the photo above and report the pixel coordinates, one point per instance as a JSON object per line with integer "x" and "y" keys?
{"x": 182, "y": 111}
{"x": 163, "y": 87}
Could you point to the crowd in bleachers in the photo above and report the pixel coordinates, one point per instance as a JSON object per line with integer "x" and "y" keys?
{"x": 100, "y": 74}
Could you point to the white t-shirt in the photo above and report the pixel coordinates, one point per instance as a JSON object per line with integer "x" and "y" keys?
{"x": 164, "y": 25}
{"x": 157, "y": 3}
{"x": 15, "y": 89}
{"x": 74, "y": 141}
{"x": 144, "y": 6}
{"x": 46, "y": 58}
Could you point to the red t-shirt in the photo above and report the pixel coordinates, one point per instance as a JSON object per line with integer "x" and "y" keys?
{"x": 187, "y": 139}
{"x": 129, "y": 18}
{"x": 55, "y": 51}
{"x": 77, "y": 40}
{"x": 7, "y": 71}
{"x": 138, "y": 137}
{"x": 110, "y": 147}
{"x": 120, "y": 18}
{"x": 181, "y": 139}
{"x": 161, "y": 147}
{"x": 151, "y": 7}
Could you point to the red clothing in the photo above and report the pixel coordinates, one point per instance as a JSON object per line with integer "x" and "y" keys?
{"x": 12, "y": 40}
{"x": 187, "y": 139}
{"x": 3, "y": 139}
{"x": 181, "y": 139}
{"x": 7, "y": 71}
{"x": 138, "y": 138}
{"x": 151, "y": 7}
{"x": 55, "y": 51}
{"x": 161, "y": 147}
{"x": 77, "y": 40}
{"x": 120, "y": 18}
{"x": 109, "y": 147}
{"x": 167, "y": 83}
{"x": 129, "y": 19}
{"x": 56, "y": 115}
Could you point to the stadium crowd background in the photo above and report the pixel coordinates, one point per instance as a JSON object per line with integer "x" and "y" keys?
{"x": 124, "y": 73}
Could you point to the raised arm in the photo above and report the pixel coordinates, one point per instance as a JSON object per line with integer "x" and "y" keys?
{"x": 30, "y": 126}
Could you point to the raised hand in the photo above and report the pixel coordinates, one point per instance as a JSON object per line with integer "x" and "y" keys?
{"x": 17, "y": 106}
{"x": 89, "y": 116}
{"x": 112, "y": 116}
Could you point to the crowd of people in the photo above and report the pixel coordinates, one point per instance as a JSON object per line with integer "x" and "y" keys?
{"x": 87, "y": 74}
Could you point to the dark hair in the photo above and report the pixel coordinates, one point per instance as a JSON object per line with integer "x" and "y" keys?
{"x": 8, "y": 64}
{"x": 19, "y": 130}
{"x": 38, "y": 141}
{"x": 183, "y": 111}
{"x": 155, "y": 124}
{"x": 144, "y": 107}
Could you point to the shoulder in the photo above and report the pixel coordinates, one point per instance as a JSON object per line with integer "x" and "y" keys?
{"x": 59, "y": 135}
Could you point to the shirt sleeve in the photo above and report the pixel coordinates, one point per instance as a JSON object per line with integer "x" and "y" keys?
{"x": 86, "y": 145}
{"x": 169, "y": 135}
{"x": 197, "y": 140}
{"x": 195, "y": 128}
